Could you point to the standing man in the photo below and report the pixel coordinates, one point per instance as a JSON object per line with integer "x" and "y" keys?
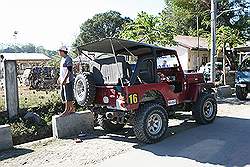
{"x": 66, "y": 80}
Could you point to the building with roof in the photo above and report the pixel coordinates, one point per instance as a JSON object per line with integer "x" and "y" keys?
{"x": 24, "y": 57}
{"x": 26, "y": 60}
{"x": 190, "y": 53}
{"x": 242, "y": 50}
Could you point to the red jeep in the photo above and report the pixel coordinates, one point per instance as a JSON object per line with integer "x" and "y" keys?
{"x": 140, "y": 84}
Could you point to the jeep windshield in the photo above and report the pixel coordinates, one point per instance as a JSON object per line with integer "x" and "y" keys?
{"x": 167, "y": 61}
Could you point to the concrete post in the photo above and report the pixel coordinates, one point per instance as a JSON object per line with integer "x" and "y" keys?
{"x": 11, "y": 88}
{"x": 213, "y": 38}
{"x": 224, "y": 64}
{"x": 5, "y": 137}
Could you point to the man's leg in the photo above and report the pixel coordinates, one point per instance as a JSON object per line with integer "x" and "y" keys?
{"x": 72, "y": 107}
{"x": 69, "y": 96}
{"x": 65, "y": 101}
{"x": 70, "y": 91}
{"x": 67, "y": 109}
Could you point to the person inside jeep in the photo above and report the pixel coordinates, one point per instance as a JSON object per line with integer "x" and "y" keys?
{"x": 169, "y": 72}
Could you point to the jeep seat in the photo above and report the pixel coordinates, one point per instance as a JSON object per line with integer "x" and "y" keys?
{"x": 105, "y": 70}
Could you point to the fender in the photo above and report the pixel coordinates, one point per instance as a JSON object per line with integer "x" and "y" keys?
{"x": 195, "y": 90}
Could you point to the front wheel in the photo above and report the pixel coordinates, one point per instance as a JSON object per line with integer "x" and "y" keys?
{"x": 241, "y": 93}
{"x": 205, "y": 109}
{"x": 151, "y": 122}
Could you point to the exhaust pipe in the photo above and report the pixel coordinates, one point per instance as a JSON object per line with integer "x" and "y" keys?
{"x": 109, "y": 115}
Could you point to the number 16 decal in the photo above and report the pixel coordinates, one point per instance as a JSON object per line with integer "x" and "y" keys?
{"x": 133, "y": 98}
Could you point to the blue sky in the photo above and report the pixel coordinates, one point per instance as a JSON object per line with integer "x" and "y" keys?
{"x": 51, "y": 23}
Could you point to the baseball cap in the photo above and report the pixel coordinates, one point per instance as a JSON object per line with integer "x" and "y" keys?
{"x": 63, "y": 48}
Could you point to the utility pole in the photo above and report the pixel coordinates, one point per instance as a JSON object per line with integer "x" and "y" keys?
{"x": 198, "y": 40}
{"x": 213, "y": 39}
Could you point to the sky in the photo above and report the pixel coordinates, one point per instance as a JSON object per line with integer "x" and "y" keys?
{"x": 52, "y": 23}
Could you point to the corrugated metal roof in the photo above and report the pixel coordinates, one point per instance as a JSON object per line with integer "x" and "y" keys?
{"x": 191, "y": 42}
{"x": 25, "y": 56}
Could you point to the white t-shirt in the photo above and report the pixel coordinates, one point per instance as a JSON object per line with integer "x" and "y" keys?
{"x": 64, "y": 64}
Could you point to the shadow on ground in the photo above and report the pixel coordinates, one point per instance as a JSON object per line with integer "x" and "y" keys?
{"x": 127, "y": 133}
{"x": 13, "y": 153}
{"x": 225, "y": 142}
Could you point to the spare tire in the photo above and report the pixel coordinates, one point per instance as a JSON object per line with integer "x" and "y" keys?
{"x": 84, "y": 89}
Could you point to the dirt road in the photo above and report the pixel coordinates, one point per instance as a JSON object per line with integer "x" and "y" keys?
{"x": 99, "y": 148}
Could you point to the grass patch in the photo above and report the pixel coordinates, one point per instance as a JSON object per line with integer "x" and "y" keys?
{"x": 44, "y": 103}
{"x": 32, "y": 98}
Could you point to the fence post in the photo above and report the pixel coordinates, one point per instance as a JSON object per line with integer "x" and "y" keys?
{"x": 11, "y": 88}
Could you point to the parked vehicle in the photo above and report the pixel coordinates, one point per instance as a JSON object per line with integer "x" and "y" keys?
{"x": 41, "y": 77}
{"x": 243, "y": 79}
{"x": 143, "y": 97}
{"x": 218, "y": 71}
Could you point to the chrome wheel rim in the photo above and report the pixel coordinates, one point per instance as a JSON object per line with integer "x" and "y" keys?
{"x": 154, "y": 124}
{"x": 80, "y": 89}
{"x": 208, "y": 109}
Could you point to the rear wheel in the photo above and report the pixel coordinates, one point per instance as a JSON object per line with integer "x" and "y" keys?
{"x": 151, "y": 122}
{"x": 205, "y": 109}
{"x": 241, "y": 93}
{"x": 109, "y": 125}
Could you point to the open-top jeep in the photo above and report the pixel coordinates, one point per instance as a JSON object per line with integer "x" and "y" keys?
{"x": 142, "y": 93}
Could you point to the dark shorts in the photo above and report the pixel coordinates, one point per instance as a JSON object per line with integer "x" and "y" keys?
{"x": 67, "y": 93}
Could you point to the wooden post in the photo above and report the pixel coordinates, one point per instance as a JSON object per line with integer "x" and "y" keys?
{"x": 11, "y": 88}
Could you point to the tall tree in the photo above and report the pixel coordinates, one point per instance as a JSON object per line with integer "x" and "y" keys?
{"x": 182, "y": 14}
{"x": 228, "y": 37}
{"x": 149, "y": 29}
{"x": 101, "y": 25}
{"x": 237, "y": 20}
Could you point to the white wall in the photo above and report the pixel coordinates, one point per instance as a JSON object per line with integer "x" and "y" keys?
{"x": 183, "y": 56}
{"x": 196, "y": 60}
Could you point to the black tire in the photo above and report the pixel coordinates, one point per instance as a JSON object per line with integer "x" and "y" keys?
{"x": 150, "y": 112}
{"x": 241, "y": 93}
{"x": 205, "y": 109}
{"x": 84, "y": 89}
{"x": 108, "y": 125}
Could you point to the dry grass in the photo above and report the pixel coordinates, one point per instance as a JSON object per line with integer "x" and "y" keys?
{"x": 30, "y": 98}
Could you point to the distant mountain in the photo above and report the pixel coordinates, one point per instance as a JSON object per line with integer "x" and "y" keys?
{"x": 28, "y": 48}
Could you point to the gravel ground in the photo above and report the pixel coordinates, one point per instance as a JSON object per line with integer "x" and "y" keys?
{"x": 99, "y": 146}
